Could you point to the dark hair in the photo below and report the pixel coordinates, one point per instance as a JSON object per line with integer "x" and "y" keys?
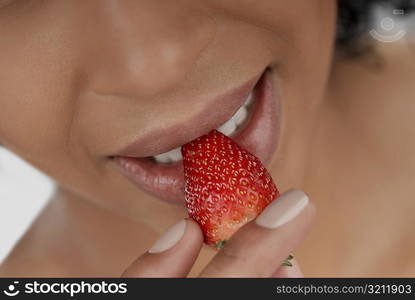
{"x": 354, "y": 20}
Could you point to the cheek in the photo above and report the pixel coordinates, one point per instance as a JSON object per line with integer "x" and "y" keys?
{"x": 303, "y": 78}
{"x": 34, "y": 116}
{"x": 307, "y": 31}
{"x": 36, "y": 106}
{"x": 313, "y": 37}
{"x": 37, "y": 84}
{"x": 307, "y": 69}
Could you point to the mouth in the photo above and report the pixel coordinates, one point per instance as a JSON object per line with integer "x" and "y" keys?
{"x": 249, "y": 115}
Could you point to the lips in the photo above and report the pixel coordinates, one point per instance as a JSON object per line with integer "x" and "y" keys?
{"x": 259, "y": 134}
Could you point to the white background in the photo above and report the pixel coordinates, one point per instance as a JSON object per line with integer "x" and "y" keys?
{"x": 23, "y": 192}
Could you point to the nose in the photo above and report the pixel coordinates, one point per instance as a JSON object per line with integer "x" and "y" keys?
{"x": 140, "y": 48}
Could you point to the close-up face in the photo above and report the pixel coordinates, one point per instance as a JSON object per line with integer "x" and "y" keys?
{"x": 95, "y": 100}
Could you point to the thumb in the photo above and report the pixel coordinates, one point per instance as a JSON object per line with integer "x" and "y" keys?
{"x": 172, "y": 255}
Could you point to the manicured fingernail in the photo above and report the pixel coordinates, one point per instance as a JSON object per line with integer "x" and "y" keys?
{"x": 283, "y": 209}
{"x": 169, "y": 238}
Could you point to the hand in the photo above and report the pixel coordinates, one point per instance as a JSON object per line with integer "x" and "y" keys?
{"x": 256, "y": 250}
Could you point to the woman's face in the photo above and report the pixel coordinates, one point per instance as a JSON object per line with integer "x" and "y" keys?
{"x": 84, "y": 84}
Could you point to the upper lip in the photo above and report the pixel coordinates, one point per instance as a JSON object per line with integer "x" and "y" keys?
{"x": 160, "y": 140}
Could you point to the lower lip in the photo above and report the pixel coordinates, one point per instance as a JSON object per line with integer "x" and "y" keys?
{"x": 259, "y": 135}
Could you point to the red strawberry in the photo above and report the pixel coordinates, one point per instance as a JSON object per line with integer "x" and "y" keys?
{"x": 226, "y": 186}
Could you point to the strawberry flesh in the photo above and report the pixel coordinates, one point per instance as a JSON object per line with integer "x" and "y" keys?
{"x": 226, "y": 186}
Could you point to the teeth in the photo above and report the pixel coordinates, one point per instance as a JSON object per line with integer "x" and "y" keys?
{"x": 250, "y": 99}
{"x": 169, "y": 157}
{"x": 238, "y": 118}
{"x": 227, "y": 128}
{"x": 175, "y": 154}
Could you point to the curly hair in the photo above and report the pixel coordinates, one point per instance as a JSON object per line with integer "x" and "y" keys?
{"x": 355, "y": 17}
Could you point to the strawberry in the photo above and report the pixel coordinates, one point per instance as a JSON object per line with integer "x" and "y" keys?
{"x": 226, "y": 186}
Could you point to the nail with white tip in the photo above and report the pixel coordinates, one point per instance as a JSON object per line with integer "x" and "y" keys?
{"x": 169, "y": 238}
{"x": 283, "y": 209}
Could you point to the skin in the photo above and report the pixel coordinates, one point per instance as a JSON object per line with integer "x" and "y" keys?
{"x": 74, "y": 92}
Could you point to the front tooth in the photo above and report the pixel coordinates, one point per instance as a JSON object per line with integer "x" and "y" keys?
{"x": 228, "y": 127}
{"x": 163, "y": 158}
{"x": 169, "y": 157}
{"x": 240, "y": 116}
{"x": 175, "y": 154}
{"x": 250, "y": 99}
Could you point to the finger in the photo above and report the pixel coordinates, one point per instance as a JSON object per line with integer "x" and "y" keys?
{"x": 259, "y": 247}
{"x": 289, "y": 272}
{"x": 172, "y": 255}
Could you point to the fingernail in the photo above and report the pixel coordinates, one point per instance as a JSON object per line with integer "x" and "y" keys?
{"x": 169, "y": 238}
{"x": 283, "y": 209}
